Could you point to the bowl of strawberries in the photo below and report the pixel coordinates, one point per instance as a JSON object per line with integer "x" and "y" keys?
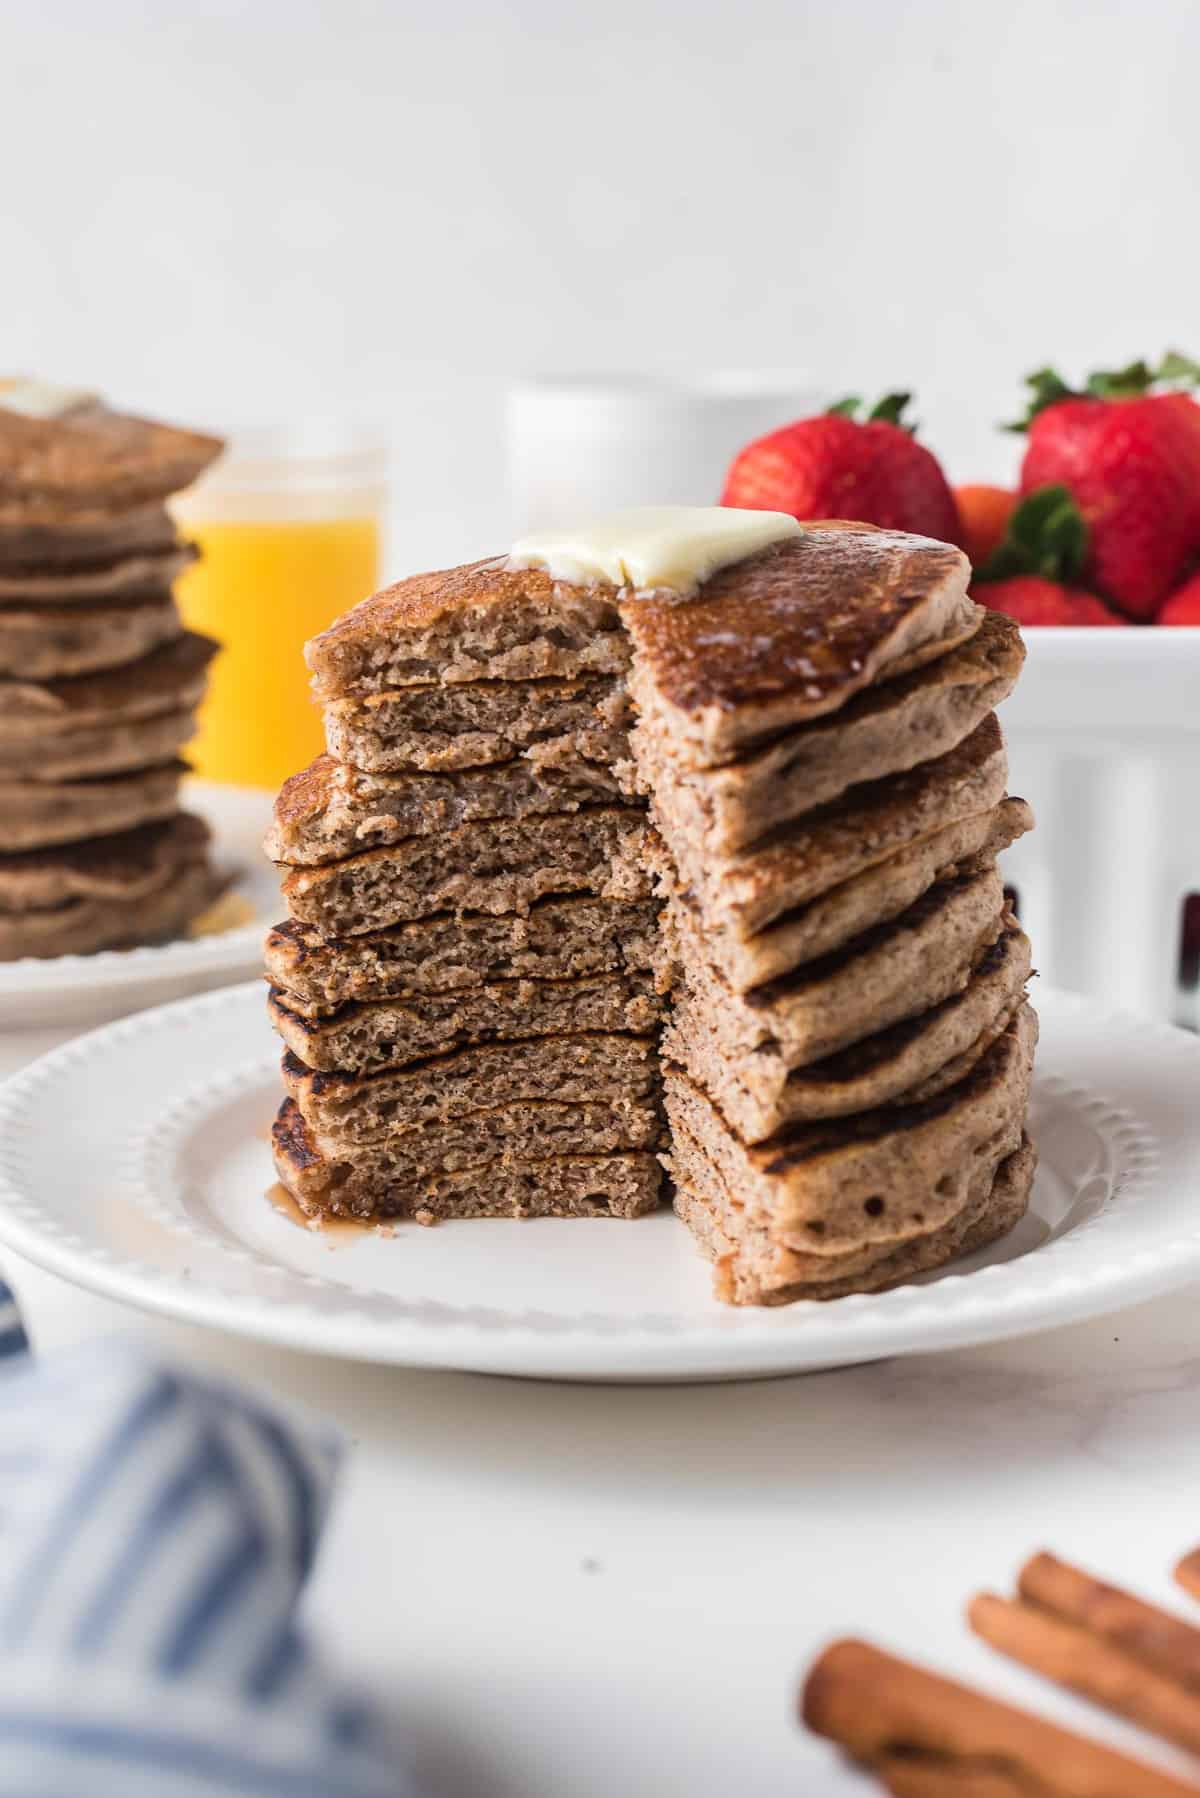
{"x": 1096, "y": 553}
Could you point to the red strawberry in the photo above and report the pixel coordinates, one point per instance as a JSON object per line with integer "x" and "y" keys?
{"x": 1183, "y": 607}
{"x": 1131, "y": 460}
{"x": 834, "y": 467}
{"x": 1032, "y": 599}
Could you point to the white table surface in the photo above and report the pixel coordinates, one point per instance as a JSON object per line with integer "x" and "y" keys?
{"x": 599, "y": 1590}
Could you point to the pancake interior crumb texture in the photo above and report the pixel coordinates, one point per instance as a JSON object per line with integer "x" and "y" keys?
{"x": 464, "y": 624}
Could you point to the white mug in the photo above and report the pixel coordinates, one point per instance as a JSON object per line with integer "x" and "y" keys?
{"x": 578, "y": 445}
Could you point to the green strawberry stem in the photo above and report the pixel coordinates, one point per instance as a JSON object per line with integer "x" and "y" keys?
{"x": 889, "y": 411}
{"x": 1046, "y": 535}
{"x": 1178, "y": 369}
{"x": 1122, "y": 383}
{"x": 1046, "y": 386}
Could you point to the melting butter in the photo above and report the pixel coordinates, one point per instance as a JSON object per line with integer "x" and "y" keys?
{"x": 653, "y": 546}
{"x": 42, "y": 399}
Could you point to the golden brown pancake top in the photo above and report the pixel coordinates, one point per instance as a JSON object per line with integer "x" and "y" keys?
{"x": 92, "y": 459}
{"x": 420, "y": 613}
{"x": 304, "y": 796}
{"x": 423, "y": 599}
{"x": 812, "y": 620}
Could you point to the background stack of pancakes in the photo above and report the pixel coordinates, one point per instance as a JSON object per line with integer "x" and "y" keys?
{"x": 98, "y": 679}
{"x": 847, "y": 1060}
{"x": 464, "y": 983}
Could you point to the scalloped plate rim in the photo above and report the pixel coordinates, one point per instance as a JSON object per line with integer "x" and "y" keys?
{"x": 987, "y": 1304}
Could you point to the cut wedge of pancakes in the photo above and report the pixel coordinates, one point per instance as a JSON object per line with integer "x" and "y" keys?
{"x": 576, "y": 852}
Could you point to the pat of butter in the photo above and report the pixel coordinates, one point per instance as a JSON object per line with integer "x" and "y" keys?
{"x": 43, "y": 399}
{"x": 653, "y": 546}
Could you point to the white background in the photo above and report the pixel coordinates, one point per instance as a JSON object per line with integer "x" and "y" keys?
{"x": 234, "y": 210}
{"x": 252, "y": 209}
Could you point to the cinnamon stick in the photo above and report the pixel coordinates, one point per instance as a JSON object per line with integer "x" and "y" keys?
{"x": 903, "y": 1723}
{"x": 1187, "y": 1572}
{"x": 1139, "y": 1629}
{"x": 1090, "y": 1665}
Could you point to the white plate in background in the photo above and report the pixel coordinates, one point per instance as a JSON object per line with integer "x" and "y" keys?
{"x": 65, "y": 990}
{"x": 135, "y": 1161}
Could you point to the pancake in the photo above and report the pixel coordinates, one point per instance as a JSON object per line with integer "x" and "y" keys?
{"x": 760, "y": 1094}
{"x": 594, "y": 1067}
{"x": 138, "y": 887}
{"x": 85, "y": 926}
{"x": 752, "y": 1269}
{"x": 743, "y": 894}
{"x": 330, "y": 811}
{"x": 46, "y": 642}
{"x": 579, "y": 1185}
{"x": 34, "y": 814}
{"x": 555, "y": 939}
{"x": 392, "y": 1032}
{"x": 792, "y": 634}
{"x": 141, "y": 576}
{"x": 89, "y": 460}
{"x": 492, "y": 866}
{"x": 432, "y": 729}
{"x": 845, "y": 911}
{"x": 885, "y": 730}
{"x": 482, "y": 621}
{"x": 93, "y": 750}
{"x": 86, "y": 545}
{"x": 170, "y": 679}
{"x": 522, "y": 1130}
{"x": 874, "y": 1179}
{"x": 126, "y": 866}
{"x": 893, "y": 971}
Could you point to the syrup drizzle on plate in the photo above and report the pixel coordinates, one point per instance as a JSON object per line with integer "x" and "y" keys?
{"x": 334, "y": 1230}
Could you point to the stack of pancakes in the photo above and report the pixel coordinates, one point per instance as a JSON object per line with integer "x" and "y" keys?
{"x": 464, "y": 983}
{"x": 486, "y": 925}
{"x": 98, "y": 679}
{"x": 847, "y": 1059}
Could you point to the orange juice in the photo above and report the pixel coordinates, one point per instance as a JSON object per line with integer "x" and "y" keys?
{"x": 262, "y": 589}
{"x": 289, "y": 526}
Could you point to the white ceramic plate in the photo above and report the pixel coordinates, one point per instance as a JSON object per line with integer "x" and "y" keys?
{"x": 135, "y": 1161}
{"x": 89, "y": 989}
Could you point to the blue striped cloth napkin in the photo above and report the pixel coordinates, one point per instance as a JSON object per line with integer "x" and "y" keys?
{"x": 156, "y": 1532}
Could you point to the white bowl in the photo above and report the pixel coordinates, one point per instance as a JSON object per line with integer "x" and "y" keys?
{"x": 1104, "y": 742}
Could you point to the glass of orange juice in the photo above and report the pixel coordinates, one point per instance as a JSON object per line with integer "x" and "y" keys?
{"x": 291, "y": 535}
